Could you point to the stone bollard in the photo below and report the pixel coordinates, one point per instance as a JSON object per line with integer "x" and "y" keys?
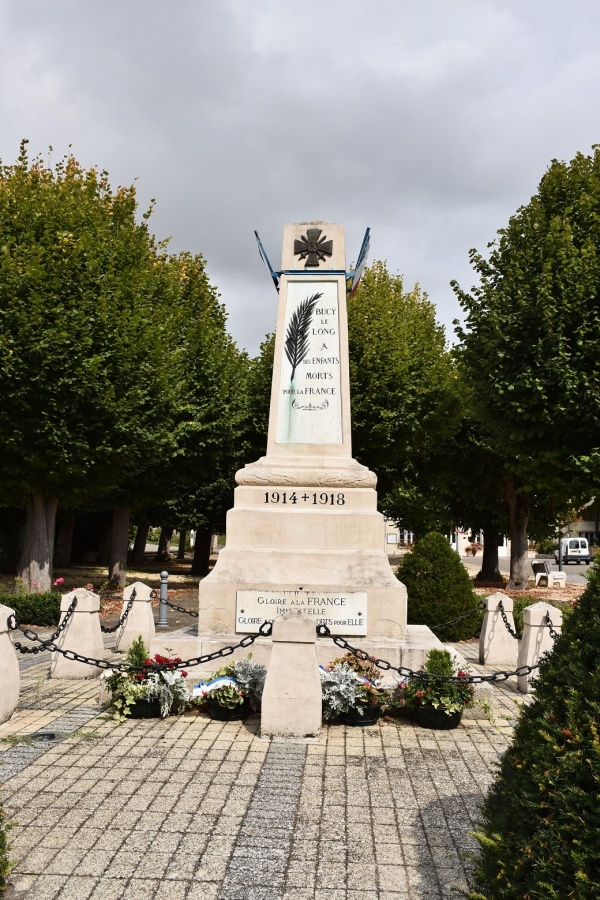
{"x": 537, "y": 639}
{"x": 496, "y": 643}
{"x": 82, "y": 635}
{"x": 140, "y": 621}
{"x": 291, "y": 701}
{"x": 10, "y": 678}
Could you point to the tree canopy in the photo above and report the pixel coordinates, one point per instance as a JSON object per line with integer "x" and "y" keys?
{"x": 405, "y": 392}
{"x": 529, "y": 347}
{"x": 84, "y": 397}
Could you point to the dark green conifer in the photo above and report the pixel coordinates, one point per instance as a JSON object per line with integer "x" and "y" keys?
{"x": 439, "y": 588}
{"x": 540, "y": 829}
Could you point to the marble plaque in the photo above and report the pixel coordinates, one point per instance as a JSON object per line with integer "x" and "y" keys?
{"x": 309, "y": 407}
{"x": 344, "y": 612}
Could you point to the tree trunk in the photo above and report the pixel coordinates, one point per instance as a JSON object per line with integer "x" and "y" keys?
{"x": 35, "y": 566}
{"x": 490, "y": 570}
{"x": 119, "y": 544}
{"x": 518, "y": 508}
{"x": 164, "y": 542}
{"x": 181, "y": 548}
{"x": 62, "y": 553}
{"x": 201, "y": 559}
{"x": 139, "y": 546}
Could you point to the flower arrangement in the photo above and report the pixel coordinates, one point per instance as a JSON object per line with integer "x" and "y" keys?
{"x": 349, "y": 683}
{"x": 450, "y": 696}
{"x": 153, "y": 679}
{"x": 232, "y": 686}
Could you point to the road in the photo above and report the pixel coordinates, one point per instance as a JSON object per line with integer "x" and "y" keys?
{"x": 575, "y": 573}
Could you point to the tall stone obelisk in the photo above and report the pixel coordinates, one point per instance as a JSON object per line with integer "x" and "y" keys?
{"x": 304, "y": 531}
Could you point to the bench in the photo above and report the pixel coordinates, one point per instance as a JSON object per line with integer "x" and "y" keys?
{"x": 545, "y": 577}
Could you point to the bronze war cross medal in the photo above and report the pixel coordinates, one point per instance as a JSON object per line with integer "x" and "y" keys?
{"x": 313, "y": 248}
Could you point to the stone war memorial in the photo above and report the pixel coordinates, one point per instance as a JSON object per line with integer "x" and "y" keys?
{"x": 304, "y": 533}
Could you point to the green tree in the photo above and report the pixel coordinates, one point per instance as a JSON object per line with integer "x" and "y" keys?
{"x": 84, "y": 400}
{"x": 260, "y": 377}
{"x": 209, "y": 374}
{"x": 529, "y": 348}
{"x": 406, "y": 400}
{"x": 539, "y": 835}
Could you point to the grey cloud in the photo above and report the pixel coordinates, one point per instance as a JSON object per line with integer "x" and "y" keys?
{"x": 430, "y": 122}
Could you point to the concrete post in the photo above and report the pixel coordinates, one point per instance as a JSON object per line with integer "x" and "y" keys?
{"x": 10, "y": 678}
{"x": 496, "y": 643}
{"x": 537, "y": 639}
{"x": 82, "y": 635}
{"x": 291, "y": 701}
{"x": 140, "y": 621}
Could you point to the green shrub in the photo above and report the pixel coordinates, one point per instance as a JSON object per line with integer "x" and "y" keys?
{"x": 520, "y": 601}
{"x": 5, "y": 864}
{"x": 540, "y": 831}
{"x": 439, "y": 588}
{"x": 34, "y": 609}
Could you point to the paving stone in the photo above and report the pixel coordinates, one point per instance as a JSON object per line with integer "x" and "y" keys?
{"x": 188, "y": 809}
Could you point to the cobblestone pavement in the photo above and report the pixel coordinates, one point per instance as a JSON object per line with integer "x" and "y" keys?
{"x": 193, "y": 809}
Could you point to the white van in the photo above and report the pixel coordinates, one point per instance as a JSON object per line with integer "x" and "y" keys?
{"x": 574, "y": 550}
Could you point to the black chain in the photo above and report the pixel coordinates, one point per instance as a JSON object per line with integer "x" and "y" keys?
{"x": 553, "y": 633}
{"x": 109, "y": 629}
{"x": 506, "y": 623}
{"x": 182, "y": 609}
{"x": 13, "y": 623}
{"x": 480, "y": 606}
{"x": 323, "y": 631}
{"x": 45, "y": 643}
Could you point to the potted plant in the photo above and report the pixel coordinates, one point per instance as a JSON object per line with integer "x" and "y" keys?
{"x": 153, "y": 687}
{"x": 234, "y": 691}
{"x": 351, "y": 690}
{"x": 433, "y": 702}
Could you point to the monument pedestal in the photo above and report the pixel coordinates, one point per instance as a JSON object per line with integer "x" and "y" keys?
{"x": 309, "y": 529}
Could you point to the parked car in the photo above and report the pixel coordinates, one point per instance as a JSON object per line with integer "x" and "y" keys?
{"x": 575, "y": 550}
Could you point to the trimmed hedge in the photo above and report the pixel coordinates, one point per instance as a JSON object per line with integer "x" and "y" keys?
{"x": 34, "y": 609}
{"x": 439, "y": 588}
{"x": 540, "y": 831}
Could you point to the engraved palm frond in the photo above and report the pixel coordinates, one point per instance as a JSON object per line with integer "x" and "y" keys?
{"x": 298, "y": 332}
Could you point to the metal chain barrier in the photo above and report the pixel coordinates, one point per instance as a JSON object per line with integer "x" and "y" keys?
{"x": 155, "y": 596}
{"x": 182, "y": 609}
{"x": 109, "y": 629}
{"x": 479, "y": 608}
{"x": 45, "y": 643}
{"x": 323, "y": 631}
{"x": 13, "y": 624}
{"x": 553, "y": 633}
{"x": 506, "y": 623}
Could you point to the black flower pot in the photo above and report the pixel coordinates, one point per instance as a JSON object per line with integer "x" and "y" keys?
{"x": 436, "y": 717}
{"x": 224, "y": 714}
{"x": 401, "y": 712}
{"x": 370, "y": 715}
{"x": 145, "y": 709}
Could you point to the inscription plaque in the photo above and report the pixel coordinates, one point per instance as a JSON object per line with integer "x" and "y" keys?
{"x": 309, "y": 404}
{"x": 344, "y": 612}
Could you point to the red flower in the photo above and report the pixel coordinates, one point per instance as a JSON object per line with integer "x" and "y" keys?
{"x": 184, "y": 674}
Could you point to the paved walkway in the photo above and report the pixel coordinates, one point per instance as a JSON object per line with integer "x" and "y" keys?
{"x": 193, "y": 809}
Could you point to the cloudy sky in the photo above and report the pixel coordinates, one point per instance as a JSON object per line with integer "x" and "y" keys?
{"x": 430, "y": 121}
